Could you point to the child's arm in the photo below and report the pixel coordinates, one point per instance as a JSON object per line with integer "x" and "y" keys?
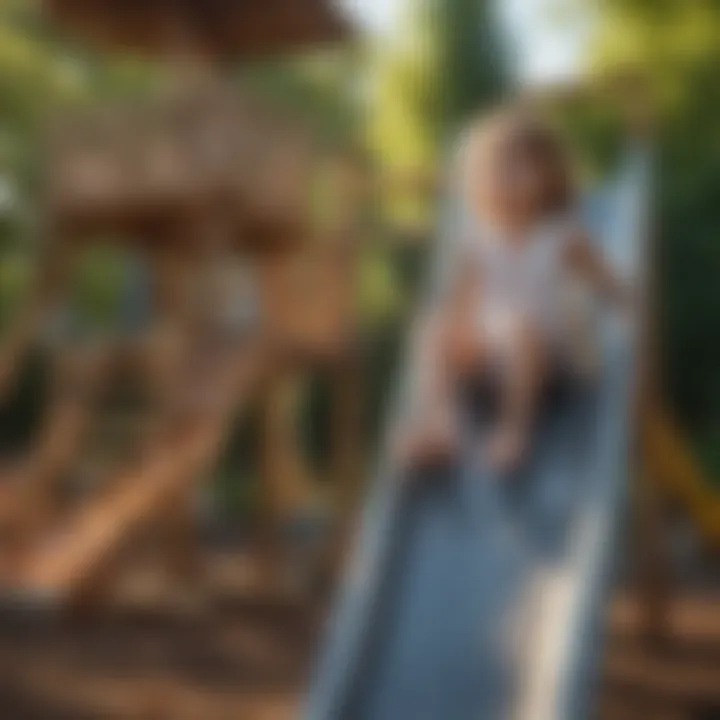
{"x": 459, "y": 283}
{"x": 587, "y": 262}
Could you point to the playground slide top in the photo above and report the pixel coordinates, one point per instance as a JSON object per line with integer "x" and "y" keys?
{"x": 472, "y": 597}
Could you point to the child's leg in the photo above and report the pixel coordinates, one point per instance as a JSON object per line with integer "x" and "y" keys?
{"x": 434, "y": 380}
{"x": 446, "y": 350}
{"x": 524, "y": 368}
{"x": 429, "y": 432}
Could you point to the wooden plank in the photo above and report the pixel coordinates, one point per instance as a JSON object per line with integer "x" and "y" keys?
{"x": 208, "y": 27}
{"x": 678, "y": 471}
{"x": 27, "y": 496}
{"x": 690, "y": 621}
{"x": 49, "y": 287}
{"x": 675, "y": 679}
{"x": 65, "y": 564}
{"x": 623, "y": 710}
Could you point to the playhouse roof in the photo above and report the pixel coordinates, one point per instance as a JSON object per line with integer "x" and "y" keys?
{"x": 135, "y": 169}
{"x": 216, "y": 28}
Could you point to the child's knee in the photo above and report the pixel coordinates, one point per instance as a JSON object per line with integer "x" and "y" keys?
{"x": 464, "y": 352}
{"x": 454, "y": 346}
{"x": 513, "y": 338}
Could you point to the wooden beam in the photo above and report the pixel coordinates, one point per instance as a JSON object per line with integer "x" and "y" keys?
{"x": 670, "y": 678}
{"x": 215, "y": 28}
{"x": 680, "y": 476}
{"x": 692, "y": 620}
{"x": 29, "y": 498}
{"x": 65, "y": 566}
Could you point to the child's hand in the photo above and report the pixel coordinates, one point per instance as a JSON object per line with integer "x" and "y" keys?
{"x": 587, "y": 262}
{"x": 432, "y": 445}
{"x": 507, "y": 447}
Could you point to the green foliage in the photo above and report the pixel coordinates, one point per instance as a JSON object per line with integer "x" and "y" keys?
{"x": 15, "y": 280}
{"x": 30, "y": 83}
{"x": 594, "y": 133}
{"x": 445, "y": 65}
{"x": 41, "y": 75}
{"x": 321, "y": 89}
{"x": 380, "y": 288}
{"x": 98, "y": 287}
{"x": 22, "y": 412}
{"x": 675, "y": 44}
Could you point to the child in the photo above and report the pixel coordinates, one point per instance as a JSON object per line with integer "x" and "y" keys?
{"x": 504, "y": 309}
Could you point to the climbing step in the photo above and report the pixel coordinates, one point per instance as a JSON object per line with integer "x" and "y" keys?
{"x": 671, "y": 673}
{"x": 688, "y": 621}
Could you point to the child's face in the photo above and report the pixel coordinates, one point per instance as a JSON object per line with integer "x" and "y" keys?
{"x": 516, "y": 180}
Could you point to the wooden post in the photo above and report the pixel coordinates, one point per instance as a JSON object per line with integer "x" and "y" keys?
{"x": 51, "y": 284}
{"x": 79, "y": 379}
{"x": 655, "y": 586}
{"x": 347, "y": 466}
{"x": 283, "y": 473}
{"x": 167, "y": 355}
{"x": 655, "y": 574}
{"x": 182, "y": 541}
{"x": 353, "y": 185}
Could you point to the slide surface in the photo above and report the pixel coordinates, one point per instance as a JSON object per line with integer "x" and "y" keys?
{"x": 474, "y": 597}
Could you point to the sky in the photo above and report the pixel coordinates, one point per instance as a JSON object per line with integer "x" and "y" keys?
{"x": 546, "y": 51}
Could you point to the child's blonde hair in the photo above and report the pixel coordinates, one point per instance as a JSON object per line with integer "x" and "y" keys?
{"x": 517, "y": 134}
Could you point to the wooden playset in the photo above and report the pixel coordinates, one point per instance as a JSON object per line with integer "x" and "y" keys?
{"x": 221, "y": 195}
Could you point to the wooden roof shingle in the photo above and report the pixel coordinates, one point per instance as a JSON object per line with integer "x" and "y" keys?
{"x": 220, "y": 29}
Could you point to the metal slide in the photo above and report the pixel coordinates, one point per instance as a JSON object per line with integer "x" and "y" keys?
{"x": 477, "y": 598}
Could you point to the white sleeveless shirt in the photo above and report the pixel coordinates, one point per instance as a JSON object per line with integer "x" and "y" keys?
{"x": 526, "y": 277}
{"x": 529, "y": 279}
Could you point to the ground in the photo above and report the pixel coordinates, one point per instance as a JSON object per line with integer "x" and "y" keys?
{"x": 239, "y": 657}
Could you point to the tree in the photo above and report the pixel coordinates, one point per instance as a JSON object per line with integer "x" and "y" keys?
{"x": 445, "y": 65}
{"x": 42, "y": 73}
{"x": 675, "y": 44}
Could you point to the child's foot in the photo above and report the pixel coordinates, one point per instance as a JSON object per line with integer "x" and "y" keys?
{"x": 428, "y": 446}
{"x": 507, "y": 447}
